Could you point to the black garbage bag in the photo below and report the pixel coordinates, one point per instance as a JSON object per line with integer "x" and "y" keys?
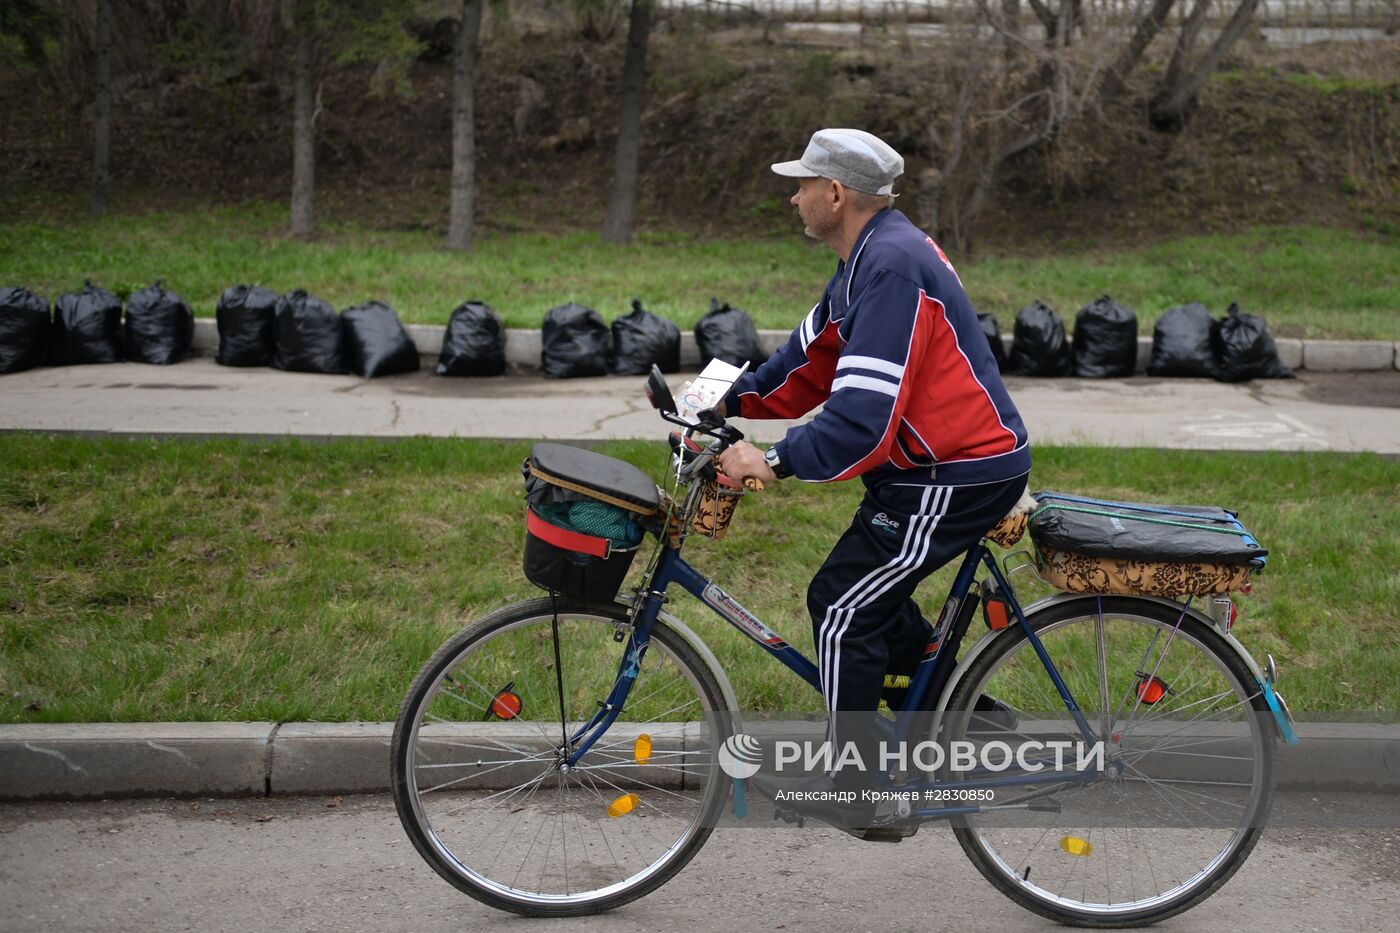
{"x": 1039, "y": 347}
{"x": 992, "y": 329}
{"x": 24, "y": 329}
{"x": 247, "y": 319}
{"x": 475, "y": 342}
{"x": 728, "y": 334}
{"x": 159, "y": 326}
{"x": 1105, "y": 340}
{"x": 1244, "y": 349}
{"x": 641, "y": 339}
{"x": 576, "y": 342}
{"x": 87, "y": 328}
{"x": 308, "y": 335}
{"x": 376, "y": 342}
{"x": 1181, "y": 343}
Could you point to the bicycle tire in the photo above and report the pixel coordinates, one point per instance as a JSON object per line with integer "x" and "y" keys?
{"x": 669, "y": 657}
{"x": 1001, "y": 873}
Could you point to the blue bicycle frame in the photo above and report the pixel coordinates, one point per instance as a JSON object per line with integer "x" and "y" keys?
{"x": 671, "y": 568}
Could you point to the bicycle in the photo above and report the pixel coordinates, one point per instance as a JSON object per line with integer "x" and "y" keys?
{"x": 561, "y": 756}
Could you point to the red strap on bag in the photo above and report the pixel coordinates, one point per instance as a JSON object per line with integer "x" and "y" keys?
{"x": 564, "y": 538}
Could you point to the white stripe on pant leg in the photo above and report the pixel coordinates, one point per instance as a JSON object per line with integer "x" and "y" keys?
{"x": 925, "y": 538}
{"x": 928, "y": 527}
{"x": 830, "y": 621}
{"x": 841, "y": 611}
{"x": 920, "y": 535}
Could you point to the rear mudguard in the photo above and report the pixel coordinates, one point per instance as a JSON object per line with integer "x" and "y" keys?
{"x": 1282, "y": 727}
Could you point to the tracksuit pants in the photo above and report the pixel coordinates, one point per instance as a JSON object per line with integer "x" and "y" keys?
{"x": 864, "y": 617}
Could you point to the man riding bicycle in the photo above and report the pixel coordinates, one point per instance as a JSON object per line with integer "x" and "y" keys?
{"x": 913, "y": 404}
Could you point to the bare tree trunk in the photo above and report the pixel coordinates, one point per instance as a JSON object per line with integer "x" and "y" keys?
{"x": 1173, "y": 104}
{"x": 1011, "y": 26}
{"x": 1147, "y": 28}
{"x": 463, "y": 199}
{"x": 1185, "y": 42}
{"x": 304, "y": 122}
{"x": 1048, "y": 18}
{"x": 102, "y": 111}
{"x": 617, "y": 224}
{"x": 933, "y": 182}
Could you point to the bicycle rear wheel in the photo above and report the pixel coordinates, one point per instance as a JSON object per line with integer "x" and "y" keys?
{"x": 1188, "y": 762}
{"x": 479, "y": 749}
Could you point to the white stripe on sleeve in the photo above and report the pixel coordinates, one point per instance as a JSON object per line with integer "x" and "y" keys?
{"x": 865, "y": 382}
{"x": 872, "y": 363}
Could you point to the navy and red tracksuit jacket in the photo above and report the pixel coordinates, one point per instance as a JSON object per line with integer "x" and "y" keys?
{"x": 896, "y": 355}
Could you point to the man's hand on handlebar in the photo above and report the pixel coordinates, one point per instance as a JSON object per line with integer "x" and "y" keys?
{"x": 742, "y": 460}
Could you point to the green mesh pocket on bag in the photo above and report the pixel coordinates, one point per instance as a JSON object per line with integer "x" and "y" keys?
{"x": 594, "y": 518}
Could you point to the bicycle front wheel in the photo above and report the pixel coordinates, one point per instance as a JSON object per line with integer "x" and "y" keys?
{"x": 1186, "y": 773}
{"x": 479, "y": 760}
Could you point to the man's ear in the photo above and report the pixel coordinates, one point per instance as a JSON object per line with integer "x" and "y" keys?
{"x": 837, "y": 195}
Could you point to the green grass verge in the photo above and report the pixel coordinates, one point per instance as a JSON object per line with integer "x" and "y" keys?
{"x": 1306, "y": 281}
{"x": 228, "y": 580}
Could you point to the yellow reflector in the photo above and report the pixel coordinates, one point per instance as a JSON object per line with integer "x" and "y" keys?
{"x": 641, "y": 750}
{"x": 1071, "y": 844}
{"x": 623, "y": 805}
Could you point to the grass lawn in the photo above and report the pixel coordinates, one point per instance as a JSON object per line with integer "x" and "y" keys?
{"x": 1306, "y": 281}
{"x": 228, "y": 580}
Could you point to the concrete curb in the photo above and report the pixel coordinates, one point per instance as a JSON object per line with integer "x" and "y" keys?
{"x": 523, "y": 349}
{"x": 242, "y": 759}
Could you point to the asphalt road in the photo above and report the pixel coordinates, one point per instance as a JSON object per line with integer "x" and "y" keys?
{"x": 344, "y": 864}
{"x": 1317, "y": 411}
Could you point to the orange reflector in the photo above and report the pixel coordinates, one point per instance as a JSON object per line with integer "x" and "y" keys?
{"x": 1079, "y": 848}
{"x": 1151, "y": 689}
{"x": 641, "y": 749}
{"x": 623, "y": 805}
{"x": 506, "y": 704}
{"x": 996, "y": 614}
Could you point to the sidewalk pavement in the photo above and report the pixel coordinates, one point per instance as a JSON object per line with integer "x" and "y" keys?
{"x": 240, "y": 759}
{"x": 1347, "y": 411}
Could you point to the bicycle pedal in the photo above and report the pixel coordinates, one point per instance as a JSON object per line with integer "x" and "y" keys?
{"x": 789, "y": 816}
{"x": 895, "y": 832}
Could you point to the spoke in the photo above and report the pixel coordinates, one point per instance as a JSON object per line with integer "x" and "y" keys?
{"x": 1160, "y": 787}
{"x": 1195, "y": 719}
{"x": 1163, "y": 749}
{"x": 465, "y": 702}
{"x": 509, "y": 792}
{"x": 528, "y": 853}
{"x": 640, "y": 799}
{"x": 1171, "y": 638}
{"x": 479, "y": 763}
{"x": 1143, "y": 778}
{"x": 657, "y": 718}
{"x": 516, "y": 817}
{"x": 1178, "y": 710}
{"x": 601, "y": 832}
{"x": 608, "y": 768}
{"x": 1142, "y": 665}
{"x": 1105, "y": 723}
{"x": 497, "y": 746}
{"x": 457, "y": 781}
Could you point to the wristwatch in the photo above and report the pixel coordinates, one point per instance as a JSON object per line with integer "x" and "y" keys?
{"x": 775, "y": 463}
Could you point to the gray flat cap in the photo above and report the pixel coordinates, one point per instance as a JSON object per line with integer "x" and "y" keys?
{"x": 855, "y": 158}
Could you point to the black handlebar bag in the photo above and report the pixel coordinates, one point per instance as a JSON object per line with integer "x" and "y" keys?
{"x": 586, "y": 518}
